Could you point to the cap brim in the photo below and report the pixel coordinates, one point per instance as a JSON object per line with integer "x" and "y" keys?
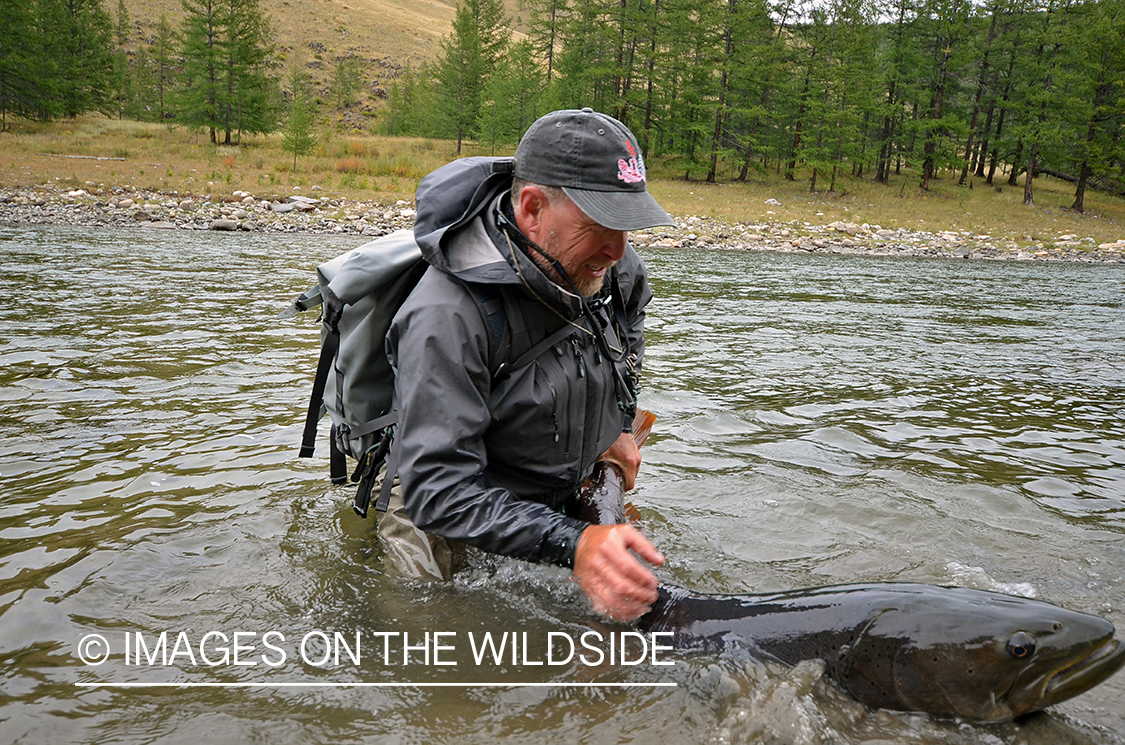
{"x": 620, "y": 210}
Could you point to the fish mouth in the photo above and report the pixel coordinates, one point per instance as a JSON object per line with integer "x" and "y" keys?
{"x": 1085, "y": 673}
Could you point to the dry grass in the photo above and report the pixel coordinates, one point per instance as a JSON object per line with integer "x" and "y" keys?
{"x": 980, "y": 210}
{"x": 388, "y": 169}
{"x": 157, "y": 158}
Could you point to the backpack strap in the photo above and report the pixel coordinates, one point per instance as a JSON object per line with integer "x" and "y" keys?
{"x": 332, "y": 310}
{"x": 490, "y": 303}
{"x": 337, "y": 460}
{"x": 388, "y": 481}
{"x": 368, "y": 467}
{"x": 506, "y": 332}
{"x": 506, "y": 368}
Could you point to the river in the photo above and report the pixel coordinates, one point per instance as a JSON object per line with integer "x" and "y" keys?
{"x": 822, "y": 419}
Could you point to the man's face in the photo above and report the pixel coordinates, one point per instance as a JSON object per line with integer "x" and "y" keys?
{"x": 585, "y": 249}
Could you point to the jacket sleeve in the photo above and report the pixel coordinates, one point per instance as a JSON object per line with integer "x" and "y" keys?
{"x": 438, "y": 346}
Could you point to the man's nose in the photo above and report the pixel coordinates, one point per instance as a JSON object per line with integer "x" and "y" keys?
{"x": 614, "y": 244}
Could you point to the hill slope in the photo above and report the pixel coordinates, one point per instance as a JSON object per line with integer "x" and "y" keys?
{"x": 385, "y": 34}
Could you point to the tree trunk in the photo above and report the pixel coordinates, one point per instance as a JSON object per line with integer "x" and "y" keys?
{"x": 930, "y": 147}
{"x": 977, "y": 97}
{"x": 720, "y": 110}
{"x": 792, "y": 166}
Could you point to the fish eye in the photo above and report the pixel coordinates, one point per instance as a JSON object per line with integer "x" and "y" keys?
{"x": 1021, "y": 645}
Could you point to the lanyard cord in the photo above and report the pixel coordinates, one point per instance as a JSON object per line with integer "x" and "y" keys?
{"x": 613, "y": 354}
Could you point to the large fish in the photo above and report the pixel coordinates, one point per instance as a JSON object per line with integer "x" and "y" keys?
{"x": 946, "y": 651}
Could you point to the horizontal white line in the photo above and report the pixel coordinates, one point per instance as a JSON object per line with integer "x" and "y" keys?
{"x": 313, "y": 684}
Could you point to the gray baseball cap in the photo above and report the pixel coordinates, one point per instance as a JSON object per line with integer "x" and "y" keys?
{"x": 597, "y": 162}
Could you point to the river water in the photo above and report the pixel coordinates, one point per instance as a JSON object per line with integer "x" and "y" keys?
{"x": 822, "y": 419}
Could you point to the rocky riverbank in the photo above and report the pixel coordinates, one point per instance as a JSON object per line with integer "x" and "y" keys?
{"x": 298, "y": 212}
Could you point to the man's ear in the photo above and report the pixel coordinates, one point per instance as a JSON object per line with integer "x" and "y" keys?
{"x": 529, "y": 211}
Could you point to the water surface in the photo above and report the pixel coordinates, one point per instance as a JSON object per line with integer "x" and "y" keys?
{"x": 822, "y": 419}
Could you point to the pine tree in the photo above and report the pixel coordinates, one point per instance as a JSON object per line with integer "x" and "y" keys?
{"x": 469, "y": 56}
{"x": 412, "y": 104}
{"x": 1097, "y": 99}
{"x": 248, "y": 96}
{"x": 297, "y": 136}
{"x": 347, "y": 81}
{"x": 122, "y": 82}
{"x": 24, "y": 89}
{"x": 197, "y": 99}
{"x": 511, "y": 99}
{"x": 545, "y": 30}
{"x": 83, "y": 41}
{"x": 164, "y": 70}
{"x": 224, "y": 83}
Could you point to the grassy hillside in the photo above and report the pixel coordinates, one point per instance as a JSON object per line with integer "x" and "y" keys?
{"x": 385, "y": 34}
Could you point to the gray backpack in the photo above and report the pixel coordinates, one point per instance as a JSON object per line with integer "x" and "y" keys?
{"x": 359, "y": 293}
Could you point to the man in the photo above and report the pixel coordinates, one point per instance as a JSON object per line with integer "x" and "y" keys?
{"x": 492, "y": 444}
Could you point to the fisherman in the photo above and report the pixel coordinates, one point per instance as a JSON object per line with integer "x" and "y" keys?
{"x": 493, "y": 458}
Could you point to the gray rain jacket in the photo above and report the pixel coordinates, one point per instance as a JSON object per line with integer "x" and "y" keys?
{"x": 495, "y": 460}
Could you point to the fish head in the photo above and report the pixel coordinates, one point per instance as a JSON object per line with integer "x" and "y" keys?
{"x": 978, "y": 656}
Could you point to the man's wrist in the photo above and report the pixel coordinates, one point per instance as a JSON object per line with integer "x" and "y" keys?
{"x": 560, "y": 544}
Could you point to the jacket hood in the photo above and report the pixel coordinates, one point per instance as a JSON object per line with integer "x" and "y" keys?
{"x": 456, "y": 229}
{"x": 453, "y": 195}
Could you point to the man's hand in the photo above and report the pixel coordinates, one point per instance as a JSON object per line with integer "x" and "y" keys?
{"x": 617, "y": 584}
{"x": 625, "y": 454}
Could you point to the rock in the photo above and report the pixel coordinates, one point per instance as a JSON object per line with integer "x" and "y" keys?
{"x": 187, "y": 204}
{"x": 303, "y": 200}
{"x": 248, "y": 200}
{"x": 141, "y": 215}
{"x": 283, "y": 207}
{"x": 125, "y": 203}
{"x": 161, "y": 225}
{"x": 224, "y": 225}
{"x": 239, "y": 214}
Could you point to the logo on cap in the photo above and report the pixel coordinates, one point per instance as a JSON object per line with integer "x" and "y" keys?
{"x": 633, "y": 171}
